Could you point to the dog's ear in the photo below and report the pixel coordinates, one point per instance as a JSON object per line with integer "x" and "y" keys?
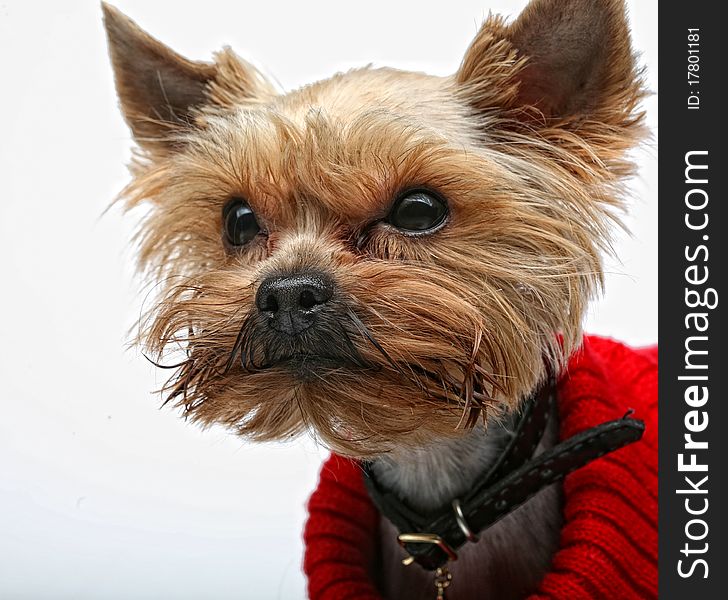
{"x": 570, "y": 60}
{"x": 162, "y": 92}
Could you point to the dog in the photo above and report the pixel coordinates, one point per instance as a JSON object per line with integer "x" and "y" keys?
{"x": 400, "y": 264}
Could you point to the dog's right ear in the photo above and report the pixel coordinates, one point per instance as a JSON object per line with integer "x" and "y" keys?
{"x": 162, "y": 92}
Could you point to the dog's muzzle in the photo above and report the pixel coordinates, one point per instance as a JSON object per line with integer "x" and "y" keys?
{"x": 300, "y": 323}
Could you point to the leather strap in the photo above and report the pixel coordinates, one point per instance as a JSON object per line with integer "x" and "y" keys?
{"x": 514, "y": 478}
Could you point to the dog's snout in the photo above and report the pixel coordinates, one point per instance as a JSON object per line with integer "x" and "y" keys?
{"x": 293, "y": 293}
{"x": 291, "y": 302}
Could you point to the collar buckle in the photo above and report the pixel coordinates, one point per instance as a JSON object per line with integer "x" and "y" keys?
{"x": 425, "y": 538}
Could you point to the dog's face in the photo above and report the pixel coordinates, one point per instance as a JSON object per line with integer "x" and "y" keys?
{"x": 382, "y": 257}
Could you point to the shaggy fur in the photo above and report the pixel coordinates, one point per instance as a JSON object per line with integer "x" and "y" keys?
{"x": 438, "y": 330}
{"x": 428, "y": 335}
{"x": 431, "y": 338}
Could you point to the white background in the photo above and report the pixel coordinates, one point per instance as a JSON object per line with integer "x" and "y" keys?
{"x": 102, "y": 495}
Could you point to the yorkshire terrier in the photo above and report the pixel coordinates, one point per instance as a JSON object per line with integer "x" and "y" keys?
{"x": 392, "y": 261}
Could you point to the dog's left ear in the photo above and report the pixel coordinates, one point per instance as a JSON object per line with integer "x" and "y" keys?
{"x": 570, "y": 60}
{"x": 162, "y": 93}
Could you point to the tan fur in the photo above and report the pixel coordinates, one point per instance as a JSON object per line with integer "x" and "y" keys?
{"x": 449, "y": 327}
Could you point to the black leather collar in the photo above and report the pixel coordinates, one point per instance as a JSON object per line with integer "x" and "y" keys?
{"x": 434, "y": 538}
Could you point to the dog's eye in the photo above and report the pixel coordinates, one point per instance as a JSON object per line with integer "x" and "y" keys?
{"x": 239, "y": 222}
{"x": 418, "y": 211}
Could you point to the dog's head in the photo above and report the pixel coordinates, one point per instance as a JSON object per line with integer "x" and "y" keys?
{"x": 382, "y": 257}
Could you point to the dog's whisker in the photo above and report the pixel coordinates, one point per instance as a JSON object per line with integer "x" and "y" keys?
{"x": 161, "y": 366}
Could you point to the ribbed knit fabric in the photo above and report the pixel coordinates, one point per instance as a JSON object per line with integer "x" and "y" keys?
{"x": 608, "y": 546}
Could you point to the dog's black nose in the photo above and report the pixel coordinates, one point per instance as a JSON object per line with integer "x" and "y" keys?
{"x": 292, "y": 302}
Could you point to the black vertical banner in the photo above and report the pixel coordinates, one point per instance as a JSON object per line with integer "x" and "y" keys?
{"x": 693, "y": 254}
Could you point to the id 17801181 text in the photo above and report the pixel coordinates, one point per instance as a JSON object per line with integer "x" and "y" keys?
{"x": 694, "y": 69}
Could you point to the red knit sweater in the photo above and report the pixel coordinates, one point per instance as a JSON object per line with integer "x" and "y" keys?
{"x": 608, "y": 546}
